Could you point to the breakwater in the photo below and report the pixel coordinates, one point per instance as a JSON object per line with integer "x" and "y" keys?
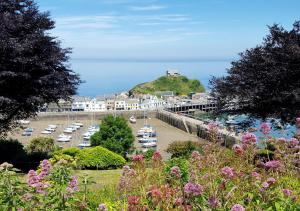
{"x": 196, "y": 127}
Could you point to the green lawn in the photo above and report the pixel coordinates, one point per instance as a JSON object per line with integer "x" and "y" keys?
{"x": 99, "y": 178}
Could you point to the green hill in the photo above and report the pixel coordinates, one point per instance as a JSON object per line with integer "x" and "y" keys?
{"x": 180, "y": 85}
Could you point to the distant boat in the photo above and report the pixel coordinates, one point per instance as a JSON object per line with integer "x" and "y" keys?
{"x": 25, "y": 133}
{"x": 50, "y": 129}
{"x": 78, "y": 124}
{"x": 24, "y": 122}
{"x": 149, "y": 144}
{"x": 64, "y": 139}
{"x": 46, "y": 132}
{"x": 52, "y": 126}
{"x": 147, "y": 129}
{"x": 68, "y": 130}
{"x": 28, "y": 130}
{"x": 132, "y": 120}
{"x": 147, "y": 139}
{"x": 84, "y": 144}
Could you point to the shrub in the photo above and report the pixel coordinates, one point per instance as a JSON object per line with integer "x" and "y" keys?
{"x": 182, "y": 163}
{"x": 99, "y": 158}
{"x": 72, "y": 151}
{"x": 115, "y": 135}
{"x": 183, "y": 148}
{"x": 12, "y": 151}
{"x": 41, "y": 145}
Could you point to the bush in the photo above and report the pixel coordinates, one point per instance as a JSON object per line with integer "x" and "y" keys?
{"x": 182, "y": 163}
{"x": 72, "y": 151}
{"x": 99, "y": 158}
{"x": 41, "y": 145}
{"x": 115, "y": 135}
{"x": 183, "y": 148}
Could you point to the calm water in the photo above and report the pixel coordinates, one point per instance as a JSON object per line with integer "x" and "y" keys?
{"x": 104, "y": 77}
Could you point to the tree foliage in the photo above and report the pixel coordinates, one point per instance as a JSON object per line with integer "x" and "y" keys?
{"x": 41, "y": 145}
{"x": 265, "y": 81}
{"x": 115, "y": 134}
{"x": 33, "y": 66}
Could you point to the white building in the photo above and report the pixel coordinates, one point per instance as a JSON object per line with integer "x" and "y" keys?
{"x": 132, "y": 104}
{"x": 88, "y": 104}
{"x": 152, "y": 103}
{"x": 119, "y": 104}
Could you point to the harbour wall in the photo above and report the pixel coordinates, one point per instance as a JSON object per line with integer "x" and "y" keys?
{"x": 196, "y": 127}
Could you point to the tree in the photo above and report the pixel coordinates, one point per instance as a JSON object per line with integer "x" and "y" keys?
{"x": 41, "y": 145}
{"x": 33, "y": 66}
{"x": 265, "y": 81}
{"x": 115, "y": 134}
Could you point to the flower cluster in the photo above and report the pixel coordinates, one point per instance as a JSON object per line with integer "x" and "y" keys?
{"x": 249, "y": 138}
{"x": 212, "y": 127}
{"x": 73, "y": 185}
{"x": 273, "y": 164}
{"x": 265, "y": 128}
{"x": 138, "y": 158}
{"x": 175, "y": 171}
{"x": 238, "y": 149}
{"x": 193, "y": 189}
{"x": 227, "y": 172}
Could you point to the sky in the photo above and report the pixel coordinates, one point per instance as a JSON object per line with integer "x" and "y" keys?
{"x": 165, "y": 29}
{"x": 117, "y": 44}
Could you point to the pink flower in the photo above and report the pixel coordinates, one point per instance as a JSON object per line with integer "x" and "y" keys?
{"x": 73, "y": 185}
{"x": 138, "y": 158}
{"x": 102, "y": 207}
{"x": 133, "y": 200}
{"x": 212, "y": 127}
{"x": 265, "y": 128}
{"x": 294, "y": 142}
{"x": 156, "y": 156}
{"x": 228, "y": 172}
{"x": 271, "y": 180}
{"x": 265, "y": 185}
{"x": 213, "y": 202}
{"x": 196, "y": 155}
{"x": 237, "y": 207}
{"x": 193, "y": 189}
{"x": 281, "y": 140}
{"x": 155, "y": 192}
{"x": 298, "y": 121}
{"x": 32, "y": 178}
{"x": 238, "y": 149}
{"x": 249, "y": 138}
{"x": 175, "y": 171}
{"x": 255, "y": 174}
{"x": 287, "y": 192}
{"x": 45, "y": 169}
{"x": 273, "y": 164}
{"x": 179, "y": 201}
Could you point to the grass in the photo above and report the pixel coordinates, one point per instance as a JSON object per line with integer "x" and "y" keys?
{"x": 99, "y": 178}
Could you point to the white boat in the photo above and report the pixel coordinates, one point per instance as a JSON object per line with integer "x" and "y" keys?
{"x": 147, "y": 139}
{"x": 145, "y": 131}
{"x": 78, "y": 124}
{"x": 24, "y": 122}
{"x": 68, "y": 130}
{"x": 64, "y": 139}
{"x": 84, "y": 144}
{"x": 46, "y": 132}
{"x": 75, "y": 126}
{"x": 64, "y": 136}
{"x": 52, "y": 126}
{"x": 149, "y": 144}
{"x": 50, "y": 129}
{"x": 132, "y": 120}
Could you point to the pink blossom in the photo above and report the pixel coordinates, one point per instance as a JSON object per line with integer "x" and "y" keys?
{"x": 196, "y": 155}
{"x": 138, "y": 158}
{"x": 133, "y": 200}
{"x": 249, "y": 138}
{"x": 32, "y": 178}
{"x": 213, "y": 202}
{"x": 212, "y": 127}
{"x": 237, "y": 207}
{"x": 179, "y": 201}
{"x": 298, "y": 121}
{"x": 155, "y": 192}
{"x": 294, "y": 142}
{"x": 175, "y": 170}
{"x": 271, "y": 180}
{"x": 273, "y": 164}
{"x": 102, "y": 207}
{"x": 265, "y": 128}
{"x": 227, "y": 171}
{"x": 238, "y": 149}
{"x": 156, "y": 156}
{"x": 265, "y": 185}
{"x": 287, "y": 192}
{"x": 255, "y": 174}
{"x": 73, "y": 185}
{"x": 281, "y": 140}
{"x": 45, "y": 169}
{"x": 193, "y": 189}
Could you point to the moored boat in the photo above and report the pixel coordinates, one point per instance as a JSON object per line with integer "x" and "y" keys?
{"x": 132, "y": 120}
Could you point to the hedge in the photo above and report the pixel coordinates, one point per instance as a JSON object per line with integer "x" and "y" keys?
{"x": 99, "y": 158}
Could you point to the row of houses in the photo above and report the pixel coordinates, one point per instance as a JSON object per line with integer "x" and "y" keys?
{"x": 98, "y": 104}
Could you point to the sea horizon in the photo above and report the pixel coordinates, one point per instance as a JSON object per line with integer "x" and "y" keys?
{"x": 114, "y": 75}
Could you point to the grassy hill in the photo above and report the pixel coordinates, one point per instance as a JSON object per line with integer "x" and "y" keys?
{"x": 180, "y": 85}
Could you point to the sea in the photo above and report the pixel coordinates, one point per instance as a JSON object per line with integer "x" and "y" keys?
{"x": 114, "y": 76}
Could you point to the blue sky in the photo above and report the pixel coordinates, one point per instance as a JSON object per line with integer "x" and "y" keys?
{"x": 165, "y": 29}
